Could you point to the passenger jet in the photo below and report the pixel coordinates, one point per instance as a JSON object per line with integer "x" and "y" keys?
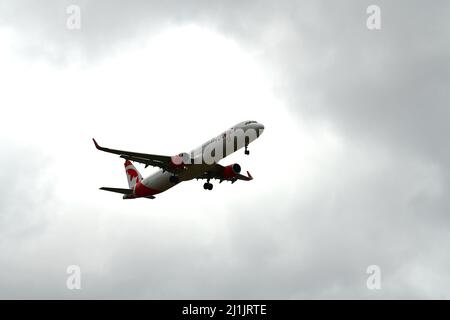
{"x": 200, "y": 163}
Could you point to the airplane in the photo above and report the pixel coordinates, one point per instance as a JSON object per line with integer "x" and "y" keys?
{"x": 200, "y": 163}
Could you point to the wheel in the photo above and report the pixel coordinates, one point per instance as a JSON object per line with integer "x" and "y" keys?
{"x": 247, "y": 152}
{"x": 207, "y": 186}
{"x": 174, "y": 179}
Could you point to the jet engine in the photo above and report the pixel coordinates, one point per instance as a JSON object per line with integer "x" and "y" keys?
{"x": 231, "y": 171}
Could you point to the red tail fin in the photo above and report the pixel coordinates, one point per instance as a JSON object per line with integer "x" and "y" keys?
{"x": 133, "y": 176}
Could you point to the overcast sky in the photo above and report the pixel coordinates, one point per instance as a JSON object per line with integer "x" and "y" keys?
{"x": 351, "y": 171}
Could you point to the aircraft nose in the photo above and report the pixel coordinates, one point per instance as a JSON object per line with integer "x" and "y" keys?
{"x": 260, "y": 128}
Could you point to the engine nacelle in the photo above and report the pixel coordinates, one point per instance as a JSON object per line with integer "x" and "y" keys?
{"x": 231, "y": 171}
{"x": 180, "y": 160}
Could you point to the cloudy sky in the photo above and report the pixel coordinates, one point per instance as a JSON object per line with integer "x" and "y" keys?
{"x": 351, "y": 171}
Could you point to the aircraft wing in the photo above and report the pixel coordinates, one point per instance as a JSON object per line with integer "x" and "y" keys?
{"x": 154, "y": 160}
{"x": 217, "y": 173}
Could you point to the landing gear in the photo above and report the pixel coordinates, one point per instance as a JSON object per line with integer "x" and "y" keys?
{"x": 208, "y": 186}
{"x": 174, "y": 179}
{"x": 246, "y": 150}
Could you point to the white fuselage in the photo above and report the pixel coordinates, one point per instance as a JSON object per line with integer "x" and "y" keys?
{"x": 207, "y": 155}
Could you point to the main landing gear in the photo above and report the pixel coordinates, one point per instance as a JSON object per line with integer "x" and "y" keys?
{"x": 174, "y": 179}
{"x": 246, "y": 150}
{"x": 208, "y": 186}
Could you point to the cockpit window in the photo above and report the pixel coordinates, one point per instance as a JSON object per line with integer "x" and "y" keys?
{"x": 248, "y": 122}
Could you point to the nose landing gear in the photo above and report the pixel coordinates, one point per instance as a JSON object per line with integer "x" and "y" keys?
{"x": 247, "y": 152}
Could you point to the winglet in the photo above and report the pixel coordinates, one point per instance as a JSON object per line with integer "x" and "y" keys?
{"x": 96, "y": 144}
{"x": 249, "y": 175}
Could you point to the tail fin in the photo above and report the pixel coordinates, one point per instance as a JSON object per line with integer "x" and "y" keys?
{"x": 133, "y": 176}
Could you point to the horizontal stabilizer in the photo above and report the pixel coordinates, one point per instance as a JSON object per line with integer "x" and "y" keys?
{"x": 118, "y": 190}
{"x": 128, "y": 193}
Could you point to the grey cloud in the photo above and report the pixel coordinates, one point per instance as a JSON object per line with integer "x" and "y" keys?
{"x": 23, "y": 191}
{"x": 384, "y": 201}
